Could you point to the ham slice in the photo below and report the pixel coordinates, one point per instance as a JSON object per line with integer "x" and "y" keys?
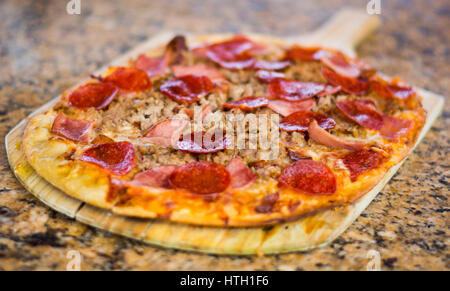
{"x": 153, "y": 66}
{"x": 157, "y": 177}
{"x": 166, "y": 132}
{"x": 73, "y": 129}
{"x": 201, "y": 70}
{"x": 241, "y": 175}
{"x": 320, "y": 135}
{"x": 286, "y": 108}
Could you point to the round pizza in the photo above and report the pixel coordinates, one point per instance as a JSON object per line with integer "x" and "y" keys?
{"x": 226, "y": 131}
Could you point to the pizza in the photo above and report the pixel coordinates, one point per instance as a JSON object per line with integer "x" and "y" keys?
{"x": 226, "y": 131}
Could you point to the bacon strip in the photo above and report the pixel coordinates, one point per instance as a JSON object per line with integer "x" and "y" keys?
{"x": 166, "y": 132}
{"x": 320, "y": 135}
{"x": 286, "y": 108}
{"x": 241, "y": 175}
{"x": 394, "y": 127}
{"x": 73, "y": 129}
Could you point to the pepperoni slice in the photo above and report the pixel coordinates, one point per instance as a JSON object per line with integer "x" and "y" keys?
{"x": 293, "y": 90}
{"x": 97, "y": 95}
{"x": 349, "y": 85}
{"x": 329, "y": 90}
{"x": 388, "y": 89}
{"x": 362, "y": 113}
{"x": 358, "y": 162}
{"x": 129, "y": 79}
{"x": 247, "y": 103}
{"x": 201, "y": 178}
{"x": 200, "y": 69}
{"x": 153, "y": 66}
{"x": 233, "y": 54}
{"x": 298, "y": 53}
{"x": 73, "y": 129}
{"x": 309, "y": 176}
{"x": 271, "y": 65}
{"x": 156, "y": 177}
{"x": 269, "y": 76}
{"x": 241, "y": 175}
{"x": 394, "y": 127}
{"x": 187, "y": 89}
{"x": 203, "y": 142}
{"x": 341, "y": 66}
{"x": 300, "y": 120}
{"x": 166, "y": 132}
{"x": 117, "y": 157}
{"x": 286, "y": 108}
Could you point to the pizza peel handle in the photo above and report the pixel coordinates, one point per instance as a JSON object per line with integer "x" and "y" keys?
{"x": 344, "y": 31}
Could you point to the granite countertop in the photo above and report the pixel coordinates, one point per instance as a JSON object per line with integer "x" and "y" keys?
{"x": 44, "y": 51}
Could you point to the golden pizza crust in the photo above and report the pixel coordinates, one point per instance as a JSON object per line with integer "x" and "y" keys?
{"x": 51, "y": 157}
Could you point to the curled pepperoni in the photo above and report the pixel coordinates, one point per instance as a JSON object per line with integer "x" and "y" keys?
{"x": 309, "y": 176}
{"x": 156, "y": 177}
{"x": 233, "y": 54}
{"x": 271, "y": 65}
{"x": 298, "y": 53}
{"x": 300, "y": 120}
{"x": 153, "y": 66}
{"x": 203, "y": 142}
{"x": 117, "y": 157}
{"x": 362, "y": 113}
{"x": 350, "y": 85}
{"x": 97, "y": 95}
{"x": 293, "y": 90}
{"x": 201, "y": 178}
{"x": 358, "y": 162}
{"x": 187, "y": 89}
{"x": 73, "y": 129}
{"x": 286, "y": 108}
{"x": 247, "y": 103}
{"x": 175, "y": 49}
{"x": 269, "y": 76}
{"x": 394, "y": 127}
{"x": 129, "y": 79}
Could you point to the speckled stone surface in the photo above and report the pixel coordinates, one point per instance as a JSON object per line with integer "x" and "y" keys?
{"x": 43, "y": 51}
